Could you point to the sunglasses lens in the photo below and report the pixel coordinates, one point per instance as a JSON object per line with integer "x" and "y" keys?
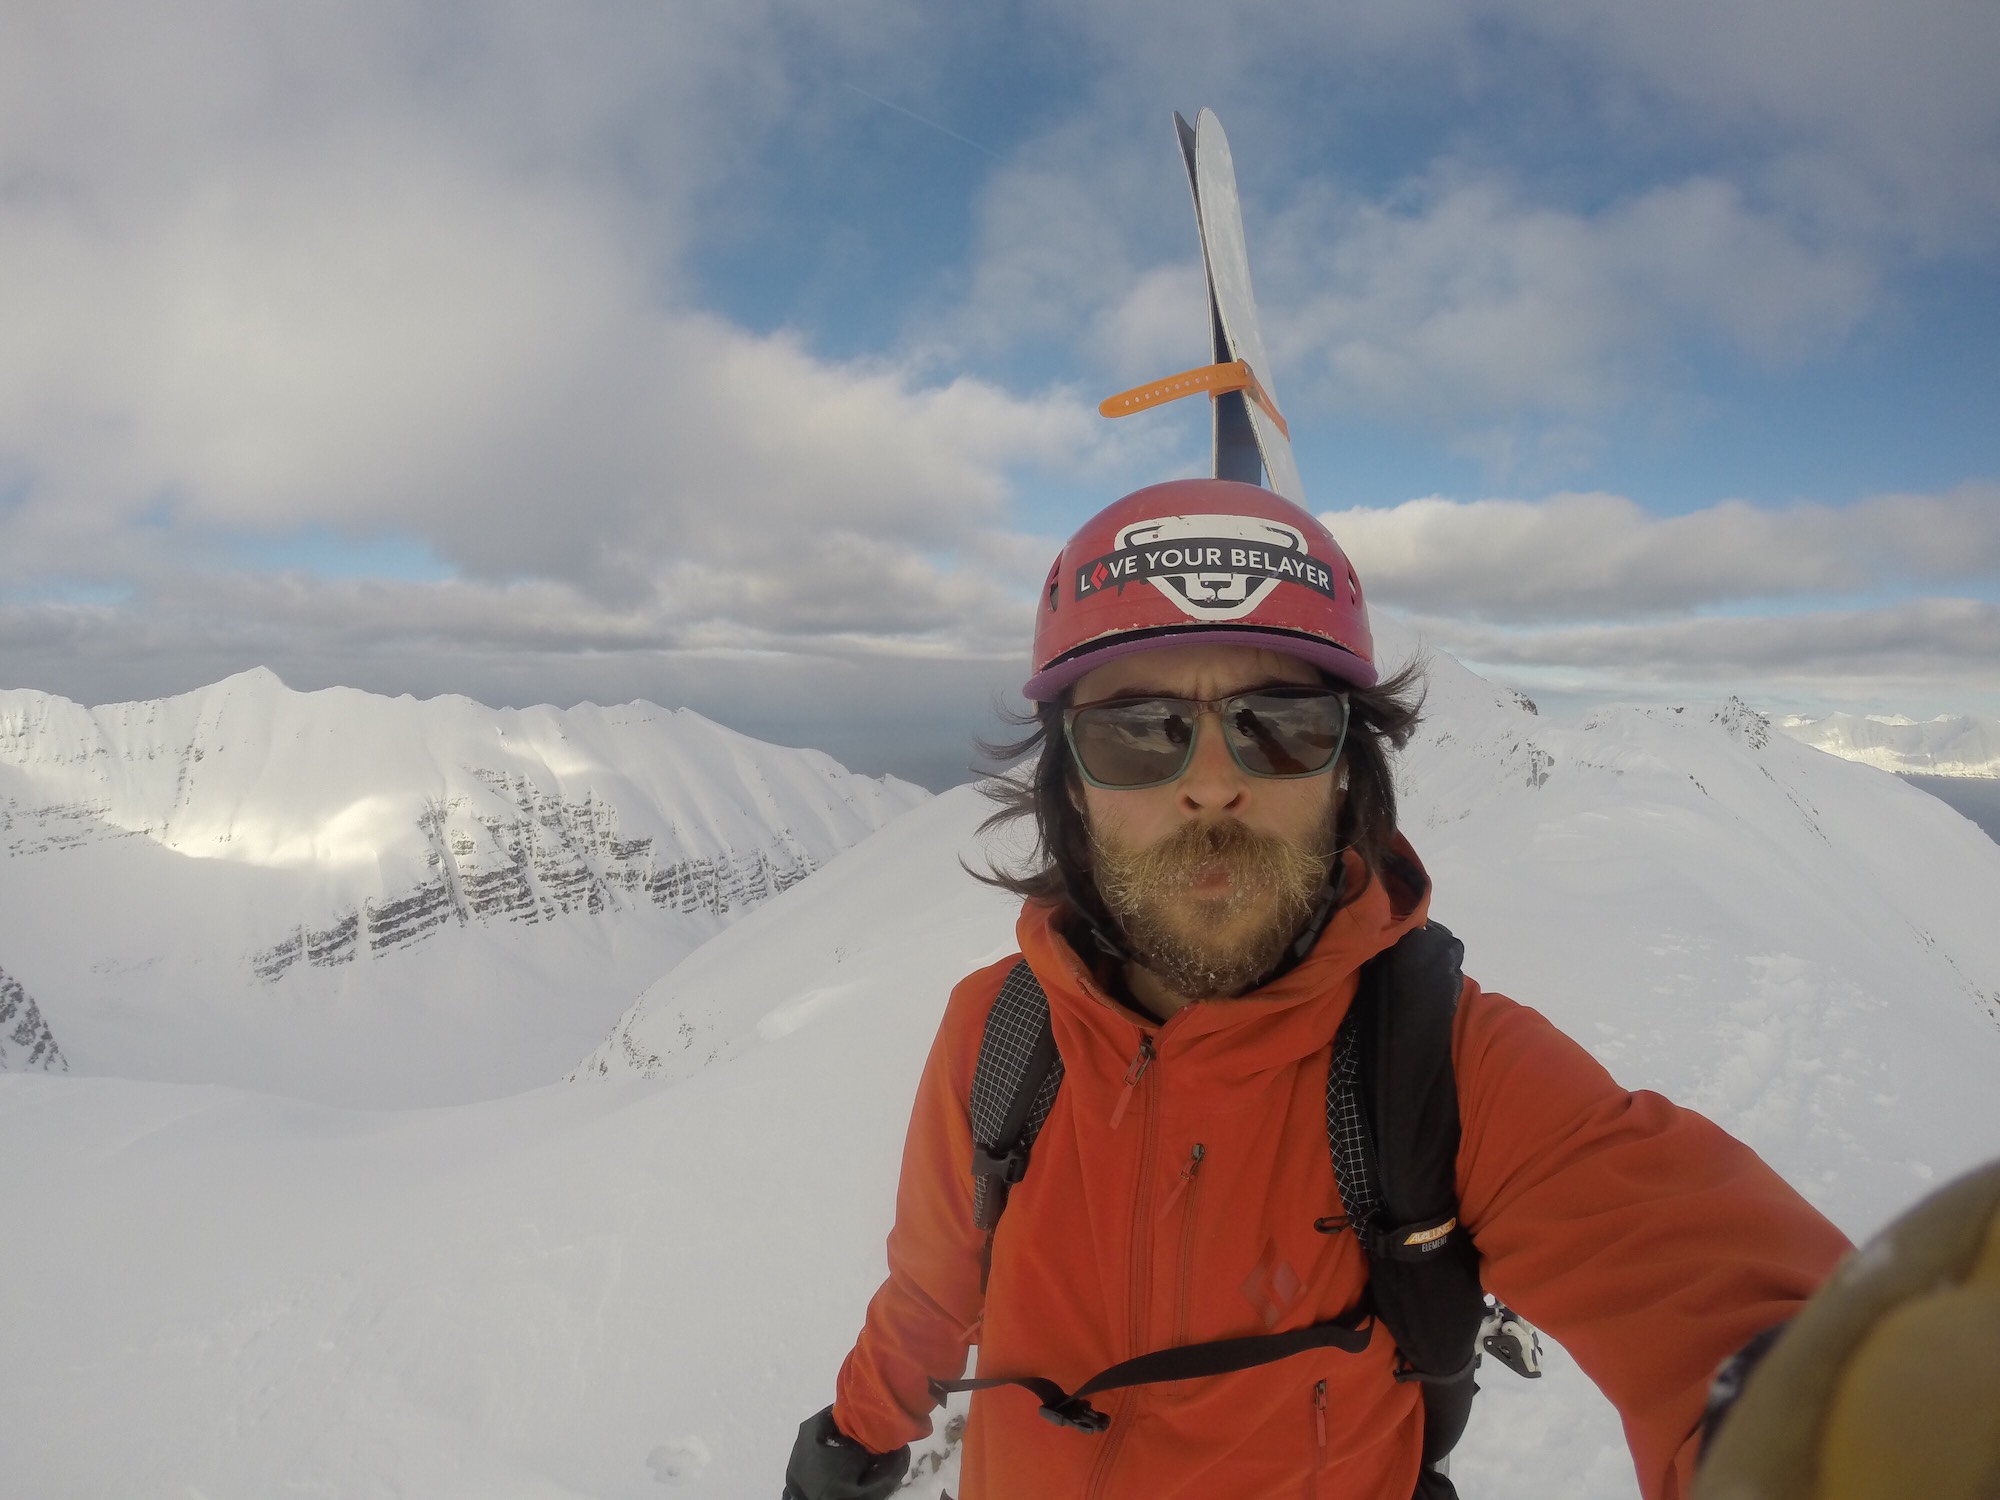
{"x": 1145, "y": 741}
{"x": 1285, "y": 734}
{"x": 1140, "y": 742}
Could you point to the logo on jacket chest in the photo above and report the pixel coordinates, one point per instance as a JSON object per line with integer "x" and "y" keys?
{"x": 1272, "y": 1288}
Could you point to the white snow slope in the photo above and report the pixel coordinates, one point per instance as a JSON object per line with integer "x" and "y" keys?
{"x": 638, "y": 1286}
{"x": 369, "y": 900}
{"x": 1949, "y": 745}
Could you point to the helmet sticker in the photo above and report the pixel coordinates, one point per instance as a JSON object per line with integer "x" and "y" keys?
{"x": 1211, "y": 567}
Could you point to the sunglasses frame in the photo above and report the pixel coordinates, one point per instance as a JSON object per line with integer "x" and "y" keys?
{"x": 1202, "y": 707}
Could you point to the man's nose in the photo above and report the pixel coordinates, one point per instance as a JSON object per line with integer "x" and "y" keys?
{"x": 1212, "y": 782}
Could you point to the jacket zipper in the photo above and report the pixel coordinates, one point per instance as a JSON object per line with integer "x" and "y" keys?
{"x": 1184, "y": 1187}
{"x": 1140, "y": 1278}
{"x": 1141, "y": 1060}
{"x": 1319, "y": 1435}
{"x": 1182, "y": 1183}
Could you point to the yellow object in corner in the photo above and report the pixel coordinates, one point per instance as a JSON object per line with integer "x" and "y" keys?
{"x": 1887, "y": 1386}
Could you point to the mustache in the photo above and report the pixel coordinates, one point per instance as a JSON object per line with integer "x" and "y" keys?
{"x": 1260, "y": 863}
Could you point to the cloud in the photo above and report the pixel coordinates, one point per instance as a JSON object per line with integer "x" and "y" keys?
{"x": 1591, "y": 598}
{"x": 280, "y": 275}
{"x": 1594, "y": 556}
{"x": 1508, "y": 222}
{"x": 1876, "y": 120}
{"x": 900, "y": 704}
{"x": 1068, "y": 252}
{"x": 1460, "y": 298}
{"x": 1468, "y": 302}
{"x": 478, "y": 365}
{"x": 817, "y": 594}
{"x": 1920, "y": 656}
{"x": 871, "y": 600}
{"x": 1924, "y": 636}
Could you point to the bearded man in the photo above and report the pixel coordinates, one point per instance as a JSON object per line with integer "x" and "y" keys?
{"x": 1218, "y": 858}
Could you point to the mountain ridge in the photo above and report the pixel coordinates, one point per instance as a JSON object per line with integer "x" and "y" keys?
{"x": 1963, "y": 745}
{"x": 247, "y": 840}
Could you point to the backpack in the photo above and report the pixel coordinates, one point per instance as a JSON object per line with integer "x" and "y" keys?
{"x": 1392, "y": 1130}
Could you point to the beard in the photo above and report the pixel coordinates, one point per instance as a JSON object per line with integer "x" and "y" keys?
{"x": 1203, "y": 944}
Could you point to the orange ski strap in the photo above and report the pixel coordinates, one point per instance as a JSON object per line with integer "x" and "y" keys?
{"x": 1216, "y": 380}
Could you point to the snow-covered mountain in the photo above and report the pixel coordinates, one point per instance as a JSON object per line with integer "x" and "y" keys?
{"x": 25, "y": 1038}
{"x": 640, "y": 1284}
{"x": 1606, "y": 851}
{"x": 1798, "y": 946}
{"x": 1949, "y": 745}
{"x": 354, "y": 897}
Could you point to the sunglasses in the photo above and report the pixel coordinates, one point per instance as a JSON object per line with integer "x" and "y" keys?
{"x": 1276, "y": 732}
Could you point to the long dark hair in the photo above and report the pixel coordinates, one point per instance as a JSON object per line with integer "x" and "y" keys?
{"x": 1380, "y": 722}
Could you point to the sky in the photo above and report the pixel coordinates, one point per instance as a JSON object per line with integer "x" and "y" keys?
{"x": 746, "y": 355}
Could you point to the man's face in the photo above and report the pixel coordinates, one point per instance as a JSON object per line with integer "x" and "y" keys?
{"x": 1211, "y": 875}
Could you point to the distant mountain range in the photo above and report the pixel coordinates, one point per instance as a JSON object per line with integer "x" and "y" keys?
{"x": 338, "y": 894}
{"x": 1950, "y": 745}
{"x": 1956, "y": 758}
{"x": 1697, "y": 824}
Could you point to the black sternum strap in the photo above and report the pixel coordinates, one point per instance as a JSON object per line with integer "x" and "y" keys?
{"x": 1348, "y": 1333}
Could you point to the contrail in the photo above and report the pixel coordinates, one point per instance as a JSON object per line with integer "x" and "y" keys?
{"x": 942, "y": 130}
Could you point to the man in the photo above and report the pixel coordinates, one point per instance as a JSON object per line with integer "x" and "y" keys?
{"x": 1219, "y": 858}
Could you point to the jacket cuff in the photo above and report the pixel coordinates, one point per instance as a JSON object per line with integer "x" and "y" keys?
{"x": 1734, "y": 1374}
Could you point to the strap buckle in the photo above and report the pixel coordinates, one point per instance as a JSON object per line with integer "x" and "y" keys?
{"x": 1009, "y": 1166}
{"x": 1405, "y": 1372}
{"x": 1074, "y": 1411}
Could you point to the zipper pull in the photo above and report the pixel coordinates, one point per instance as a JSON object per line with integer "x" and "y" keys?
{"x": 1319, "y": 1417}
{"x": 1187, "y": 1176}
{"x": 1142, "y": 1061}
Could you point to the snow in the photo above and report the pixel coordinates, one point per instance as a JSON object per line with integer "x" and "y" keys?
{"x": 560, "y": 1293}
{"x": 638, "y": 1283}
{"x": 1949, "y": 745}
{"x": 381, "y": 901}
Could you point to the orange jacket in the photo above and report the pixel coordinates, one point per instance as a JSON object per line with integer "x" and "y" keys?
{"x": 1650, "y": 1243}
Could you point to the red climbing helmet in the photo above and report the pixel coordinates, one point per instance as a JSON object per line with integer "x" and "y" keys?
{"x": 1208, "y": 560}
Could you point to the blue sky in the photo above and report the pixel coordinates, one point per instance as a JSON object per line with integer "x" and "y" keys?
{"x": 858, "y": 224}
{"x": 746, "y": 355}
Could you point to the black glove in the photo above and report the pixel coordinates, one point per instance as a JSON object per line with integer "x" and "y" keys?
{"x": 829, "y": 1465}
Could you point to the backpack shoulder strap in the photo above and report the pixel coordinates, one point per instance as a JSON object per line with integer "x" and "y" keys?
{"x": 1393, "y": 1129}
{"x": 1392, "y": 1099}
{"x": 1411, "y": 1092}
{"x": 1013, "y": 1088}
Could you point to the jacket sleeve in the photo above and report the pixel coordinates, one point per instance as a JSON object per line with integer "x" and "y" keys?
{"x": 924, "y": 1317}
{"x": 1642, "y": 1236}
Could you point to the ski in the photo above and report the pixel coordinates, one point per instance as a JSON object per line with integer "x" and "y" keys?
{"x": 1252, "y": 443}
{"x": 1238, "y": 335}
